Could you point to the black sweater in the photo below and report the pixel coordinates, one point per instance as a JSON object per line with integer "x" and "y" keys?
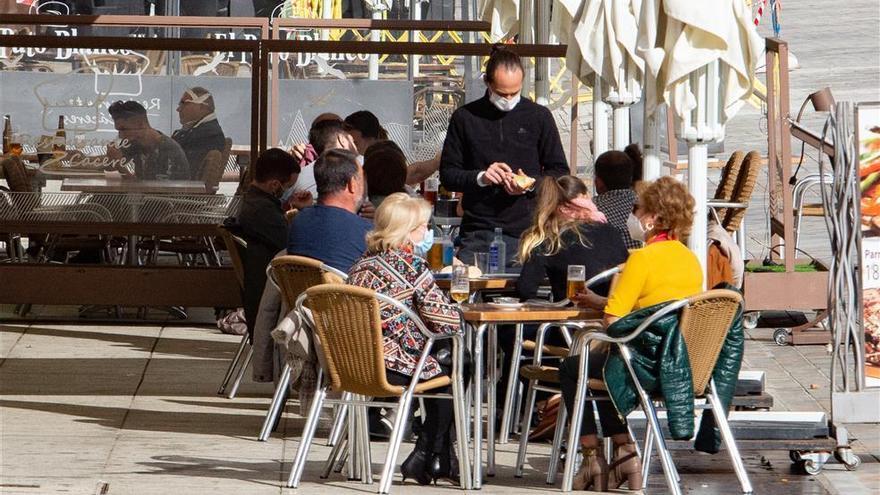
{"x": 603, "y": 248}
{"x": 479, "y": 134}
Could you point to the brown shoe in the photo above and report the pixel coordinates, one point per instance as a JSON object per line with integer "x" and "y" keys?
{"x": 593, "y": 473}
{"x": 626, "y": 467}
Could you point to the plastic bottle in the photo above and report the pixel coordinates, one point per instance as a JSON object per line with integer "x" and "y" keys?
{"x": 497, "y": 253}
{"x": 448, "y": 250}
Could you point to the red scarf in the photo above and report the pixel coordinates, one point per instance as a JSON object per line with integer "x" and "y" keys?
{"x": 665, "y": 235}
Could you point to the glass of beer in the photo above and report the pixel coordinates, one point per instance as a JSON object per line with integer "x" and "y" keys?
{"x": 460, "y": 288}
{"x": 577, "y": 276}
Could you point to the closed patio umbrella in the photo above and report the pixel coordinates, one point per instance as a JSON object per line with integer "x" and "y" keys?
{"x": 702, "y": 56}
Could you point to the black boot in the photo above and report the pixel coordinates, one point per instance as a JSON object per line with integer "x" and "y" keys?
{"x": 416, "y": 465}
{"x": 444, "y": 465}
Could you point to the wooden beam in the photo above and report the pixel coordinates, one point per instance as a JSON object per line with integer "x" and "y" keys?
{"x": 118, "y": 285}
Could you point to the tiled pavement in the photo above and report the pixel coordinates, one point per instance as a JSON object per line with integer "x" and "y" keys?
{"x": 135, "y": 407}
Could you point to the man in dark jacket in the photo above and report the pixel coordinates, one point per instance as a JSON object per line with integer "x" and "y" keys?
{"x": 488, "y": 142}
{"x": 201, "y": 131}
{"x": 263, "y": 225}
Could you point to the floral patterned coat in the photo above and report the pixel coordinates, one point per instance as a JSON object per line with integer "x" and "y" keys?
{"x": 406, "y": 277}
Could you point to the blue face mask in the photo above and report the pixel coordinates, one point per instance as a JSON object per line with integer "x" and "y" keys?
{"x": 422, "y": 248}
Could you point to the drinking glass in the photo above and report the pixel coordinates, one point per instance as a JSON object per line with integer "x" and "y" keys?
{"x": 577, "y": 276}
{"x": 481, "y": 261}
{"x": 460, "y": 288}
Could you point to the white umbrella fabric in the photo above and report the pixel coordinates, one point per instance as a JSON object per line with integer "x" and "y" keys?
{"x": 504, "y": 16}
{"x": 695, "y": 34}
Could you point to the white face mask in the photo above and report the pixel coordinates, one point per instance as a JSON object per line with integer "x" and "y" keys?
{"x": 504, "y": 104}
{"x": 635, "y": 228}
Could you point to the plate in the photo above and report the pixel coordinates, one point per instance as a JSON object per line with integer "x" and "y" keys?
{"x": 506, "y": 305}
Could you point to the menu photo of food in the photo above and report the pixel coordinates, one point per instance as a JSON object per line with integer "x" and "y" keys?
{"x": 868, "y": 128}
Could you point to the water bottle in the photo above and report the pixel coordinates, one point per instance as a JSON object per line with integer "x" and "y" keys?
{"x": 448, "y": 250}
{"x": 497, "y": 253}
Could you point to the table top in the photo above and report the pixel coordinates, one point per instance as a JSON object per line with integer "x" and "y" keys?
{"x": 487, "y": 313}
{"x": 104, "y": 185}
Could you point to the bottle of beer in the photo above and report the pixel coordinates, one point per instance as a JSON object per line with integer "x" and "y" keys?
{"x": 60, "y": 143}
{"x": 7, "y": 134}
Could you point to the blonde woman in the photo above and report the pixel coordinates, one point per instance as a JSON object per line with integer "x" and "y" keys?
{"x": 664, "y": 270}
{"x": 394, "y": 265}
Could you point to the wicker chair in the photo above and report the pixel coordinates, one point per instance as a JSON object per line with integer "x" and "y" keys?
{"x": 546, "y": 378}
{"x": 292, "y": 275}
{"x": 704, "y": 322}
{"x": 237, "y": 247}
{"x": 745, "y": 185}
{"x": 348, "y": 325}
{"x": 727, "y": 184}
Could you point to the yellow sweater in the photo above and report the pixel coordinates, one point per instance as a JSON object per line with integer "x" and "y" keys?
{"x": 659, "y": 272}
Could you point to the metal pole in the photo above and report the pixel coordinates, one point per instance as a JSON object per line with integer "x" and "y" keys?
{"x": 651, "y": 166}
{"x": 326, "y": 13}
{"x": 542, "y": 64}
{"x": 698, "y": 161}
{"x": 621, "y": 127}
{"x": 600, "y": 119}
{"x": 375, "y": 35}
{"x": 415, "y": 13}
{"x": 527, "y": 36}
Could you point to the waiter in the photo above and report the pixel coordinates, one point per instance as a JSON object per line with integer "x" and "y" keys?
{"x": 488, "y": 143}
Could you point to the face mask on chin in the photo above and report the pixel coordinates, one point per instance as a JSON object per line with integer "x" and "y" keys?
{"x": 504, "y": 104}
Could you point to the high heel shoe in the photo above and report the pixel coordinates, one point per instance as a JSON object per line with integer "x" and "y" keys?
{"x": 593, "y": 473}
{"x": 444, "y": 465}
{"x": 416, "y": 465}
{"x": 626, "y": 467}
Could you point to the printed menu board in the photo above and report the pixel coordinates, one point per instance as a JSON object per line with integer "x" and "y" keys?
{"x": 868, "y": 134}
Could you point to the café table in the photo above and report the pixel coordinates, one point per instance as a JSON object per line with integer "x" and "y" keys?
{"x": 484, "y": 319}
{"x": 105, "y": 185}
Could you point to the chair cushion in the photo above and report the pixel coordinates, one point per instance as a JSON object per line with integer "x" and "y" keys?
{"x": 549, "y": 350}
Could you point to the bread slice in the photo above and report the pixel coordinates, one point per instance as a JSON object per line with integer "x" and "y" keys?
{"x": 523, "y": 180}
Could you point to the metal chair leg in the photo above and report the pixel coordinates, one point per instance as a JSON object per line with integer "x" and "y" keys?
{"x": 646, "y": 458}
{"x": 574, "y": 429}
{"x": 524, "y": 430}
{"x": 339, "y": 448}
{"x": 729, "y": 441}
{"x": 338, "y": 428}
{"x": 299, "y": 461}
{"x": 394, "y": 442}
{"x": 232, "y": 364}
{"x": 512, "y": 381}
{"x": 277, "y": 405}
{"x": 556, "y": 450}
{"x": 241, "y": 371}
{"x": 365, "y": 454}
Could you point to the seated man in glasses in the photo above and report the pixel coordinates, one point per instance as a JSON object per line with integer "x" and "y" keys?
{"x": 200, "y": 131}
{"x": 148, "y": 153}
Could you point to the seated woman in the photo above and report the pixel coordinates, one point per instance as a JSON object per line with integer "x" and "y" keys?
{"x": 664, "y": 270}
{"x": 385, "y": 170}
{"x": 567, "y": 230}
{"x": 394, "y": 265}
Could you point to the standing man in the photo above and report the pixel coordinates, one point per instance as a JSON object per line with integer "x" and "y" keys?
{"x": 488, "y": 143}
{"x": 200, "y": 131}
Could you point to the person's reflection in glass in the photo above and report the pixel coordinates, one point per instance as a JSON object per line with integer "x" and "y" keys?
{"x": 152, "y": 154}
{"x": 200, "y": 131}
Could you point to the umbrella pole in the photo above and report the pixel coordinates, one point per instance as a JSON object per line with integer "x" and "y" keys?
{"x": 698, "y": 162}
{"x": 651, "y": 166}
{"x": 542, "y": 64}
{"x": 600, "y": 119}
{"x": 621, "y": 127}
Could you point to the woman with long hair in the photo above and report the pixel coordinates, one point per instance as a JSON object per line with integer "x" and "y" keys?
{"x": 664, "y": 270}
{"x": 566, "y": 229}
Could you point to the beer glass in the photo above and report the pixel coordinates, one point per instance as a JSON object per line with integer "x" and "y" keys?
{"x": 460, "y": 288}
{"x": 577, "y": 276}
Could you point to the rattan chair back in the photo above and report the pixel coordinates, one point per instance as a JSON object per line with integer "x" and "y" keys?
{"x": 745, "y": 185}
{"x": 727, "y": 184}
{"x": 236, "y": 246}
{"x": 704, "y": 325}
{"x": 15, "y": 174}
{"x": 212, "y": 170}
{"x": 295, "y": 274}
{"x": 348, "y": 324}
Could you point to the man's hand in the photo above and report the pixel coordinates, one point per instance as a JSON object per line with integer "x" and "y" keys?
{"x": 299, "y": 151}
{"x": 301, "y": 199}
{"x": 367, "y": 210}
{"x": 511, "y": 186}
{"x": 589, "y": 299}
{"x": 498, "y": 174}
